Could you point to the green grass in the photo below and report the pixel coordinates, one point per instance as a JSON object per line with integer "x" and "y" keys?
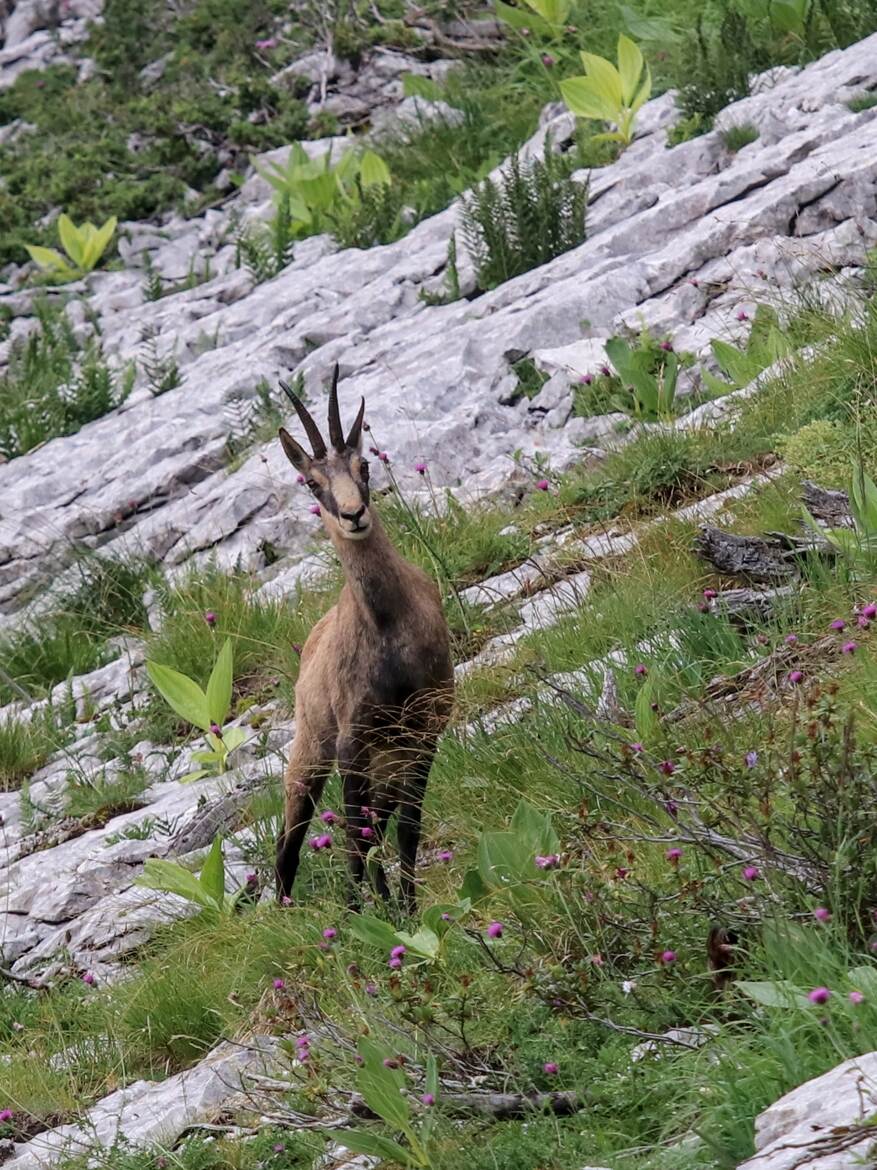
{"x": 25, "y": 747}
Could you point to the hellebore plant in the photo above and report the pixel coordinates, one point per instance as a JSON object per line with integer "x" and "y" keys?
{"x": 611, "y": 94}
{"x": 206, "y": 891}
{"x": 84, "y": 247}
{"x": 204, "y": 710}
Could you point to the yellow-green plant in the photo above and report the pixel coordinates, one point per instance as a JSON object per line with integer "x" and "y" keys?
{"x": 610, "y": 94}
{"x": 552, "y": 13}
{"x": 204, "y": 710}
{"x": 84, "y": 246}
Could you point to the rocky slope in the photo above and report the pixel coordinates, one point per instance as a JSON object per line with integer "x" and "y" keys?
{"x": 681, "y": 240}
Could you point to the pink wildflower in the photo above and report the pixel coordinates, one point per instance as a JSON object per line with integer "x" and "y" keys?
{"x": 819, "y": 995}
{"x": 495, "y": 930}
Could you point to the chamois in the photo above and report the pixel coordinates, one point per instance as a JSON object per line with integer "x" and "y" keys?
{"x": 376, "y": 681}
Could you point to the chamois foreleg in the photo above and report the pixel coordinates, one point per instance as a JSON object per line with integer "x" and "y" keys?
{"x": 410, "y": 812}
{"x": 310, "y": 760}
{"x": 353, "y": 765}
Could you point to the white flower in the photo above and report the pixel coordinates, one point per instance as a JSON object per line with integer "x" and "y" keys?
{"x": 628, "y": 986}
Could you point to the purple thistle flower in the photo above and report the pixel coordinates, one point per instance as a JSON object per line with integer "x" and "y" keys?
{"x": 300, "y": 480}
{"x": 328, "y": 817}
{"x": 267, "y": 43}
{"x": 673, "y": 856}
{"x": 542, "y": 485}
{"x": 391, "y": 1062}
{"x": 791, "y": 639}
{"x": 446, "y": 855}
{"x": 709, "y": 594}
{"x": 605, "y": 371}
{"x": 849, "y": 647}
{"x": 495, "y": 930}
{"x": 586, "y": 379}
{"x": 796, "y": 677}
{"x": 838, "y": 624}
{"x": 667, "y": 346}
{"x": 819, "y": 995}
{"x": 751, "y": 873}
{"x": 251, "y": 879}
{"x": 88, "y": 978}
{"x": 279, "y": 985}
{"x": 384, "y": 457}
{"x": 216, "y": 730}
{"x": 869, "y": 611}
{"x": 742, "y": 315}
{"x": 324, "y": 841}
{"x": 549, "y": 861}
{"x": 398, "y": 952}
{"x": 278, "y": 1147}
{"x": 6, "y": 1115}
{"x": 303, "y": 1041}
{"x": 855, "y": 998}
{"x": 667, "y": 767}
{"x": 668, "y": 957}
{"x": 822, "y": 914}
{"x": 640, "y": 669}
{"x": 315, "y": 510}
{"x": 428, "y": 1099}
{"x": 548, "y": 61}
{"x": 394, "y": 964}
{"x": 862, "y": 622}
{"x": 551, "y": 1068}
{"x": 210, "y": 617}
{"x": 672, "y": 808}
{"x": 366, "y": 831}
{"x": 637, "y": 747}
{"x": 329, "y": 933}
{"x": 420, "y": 468}
{"x": 371, "y": 989}
{"x": 751, "y": 759}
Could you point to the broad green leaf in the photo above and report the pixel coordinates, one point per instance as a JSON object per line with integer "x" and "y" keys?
{"x": 644, "y": 718}
{"x": 171, "y": 878}
{"x": 503, "y": 859}
{"x": 655, "y": 29}
{"x": 535, "y": 829}
{"x": 789, "y": 17}
{"x": 73, "y": 239}
{"x": 605, "y": 79}
{"x": 183, "y": 695}
{"x": 432, "y": 1077}
{"x": 432, "y": 917}
{"x": 97, "y": 242}
{"x": 414, "y": 85}
{"x": 381, "y": 1087}
{"x": 518, "y": 18}
{"x": 474, "y": 888}
{"x": 191, "y": 777}
{"x": 582, "y": 99}
{"x": 49, "y": 259}
{"x": 205, "y": 757}
{"x": 361, "y": 1141}
{"x": 212, "y": 877}
{"x": 553, "y": 11}
{"x": 643, "y": 93}
{"x": 233, "y": 738}
{"x": 734, "y": 362}
{"x": 373, "y": 171}
{"x": 219, "y": 684}
{"x": 863, "y": 499}
{"x": 373, "y": 931}
{"x": 630, "y": 68}
{"x": 424, "y": 942}
{"x": 864, "y": 979}
{"x": 774, "y": 993}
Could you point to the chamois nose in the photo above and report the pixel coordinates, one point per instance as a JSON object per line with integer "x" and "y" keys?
{"x": 354, "y": 517}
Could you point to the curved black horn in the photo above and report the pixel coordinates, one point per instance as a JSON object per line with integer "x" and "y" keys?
{"x": 356, "y": 429}
{"x": 336, "y": 436}
{"x": 318, "y": 443}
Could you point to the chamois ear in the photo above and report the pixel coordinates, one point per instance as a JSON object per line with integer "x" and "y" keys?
{"x": 295, "y": 453}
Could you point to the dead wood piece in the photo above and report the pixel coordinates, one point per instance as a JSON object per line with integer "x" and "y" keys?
{"x": 831, "y": 507}
{"x": 497, "y": 1105}
{"x": 773, "y": 557}
{"x": 750, "y": 606}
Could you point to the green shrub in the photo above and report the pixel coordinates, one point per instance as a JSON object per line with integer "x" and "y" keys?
{"x": 53, "y": 385}
{"x": 532, "y": 214}
{"x": 714, "y": 64}
{"x": 24, "y": 747}
{"x": 821, "y": 451}
{"x": 736, "y": 137}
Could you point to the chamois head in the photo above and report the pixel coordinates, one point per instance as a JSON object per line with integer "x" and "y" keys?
{"x": 338, "y": 475}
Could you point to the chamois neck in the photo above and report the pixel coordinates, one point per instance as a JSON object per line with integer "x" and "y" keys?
{"x": 373, "y": 569}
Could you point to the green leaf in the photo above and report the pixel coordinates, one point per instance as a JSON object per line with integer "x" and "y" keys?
{"x": 644, "y": 718}
{"x": 233, "y": 737}
{"x": 415, "y": 85}
{"x": 864, "y": 979}
{"x": 535, "y": 830}
{"x": 171, "y": 878}
{"x": 582, "y": 99}
{"x": 503, "y": 859}
{"x": 212, "y": 878}
{"x": 517, "y": 18}
{"x": 474, "y": 888}
{"x": 605, "y": 80}
{"x": 373, "y": 931}
{"x": 183, "y": 695}
{"x": 734, "y": 362}
{"x": 361, "y": 1141}
{"x": 219, "y": 684}
{"x": 655, "y": 29}
{"x": 97, "y": 241}
{"x": 432, "y": 1077}
{"x": 552, "y": 11}
{"x": 373, "y": 171}
{"x": 863, "y": 500}
{"x": 643, "y": 93}
{"x": 191, "y": 777}
{"x": 72, "y": 239}
{"x": 51, "y": 261}
{"x": 381, "y": 1087}
{"x": 424, "y": 942}
{"x": 774, "y": 993}
{"x": 630, "y": 68}
{"x": 432, "y": 917}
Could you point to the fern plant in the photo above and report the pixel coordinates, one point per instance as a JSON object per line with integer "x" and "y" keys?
{"x": 162, "y": 372}
{"x": 534, "y": 213}
{"x": 714, "y": 65}
{"x": 265, "y": 250}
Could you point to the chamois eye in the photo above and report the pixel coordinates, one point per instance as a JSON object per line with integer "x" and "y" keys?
{"x": 363, "y": 470}
{"x": 312, "y": 484}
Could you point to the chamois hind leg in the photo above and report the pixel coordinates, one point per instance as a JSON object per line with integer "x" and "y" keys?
{"x": 353, "y": 766}
{"x": 408, "y": 831}
{"x": 310, "y": 760}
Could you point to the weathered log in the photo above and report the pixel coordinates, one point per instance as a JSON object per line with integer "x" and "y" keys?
{"x": 831, "y": 507}
{"x": 750, "y": 606}
{"x": 496, "y": 1105}
{"x": 755, "y": 557}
